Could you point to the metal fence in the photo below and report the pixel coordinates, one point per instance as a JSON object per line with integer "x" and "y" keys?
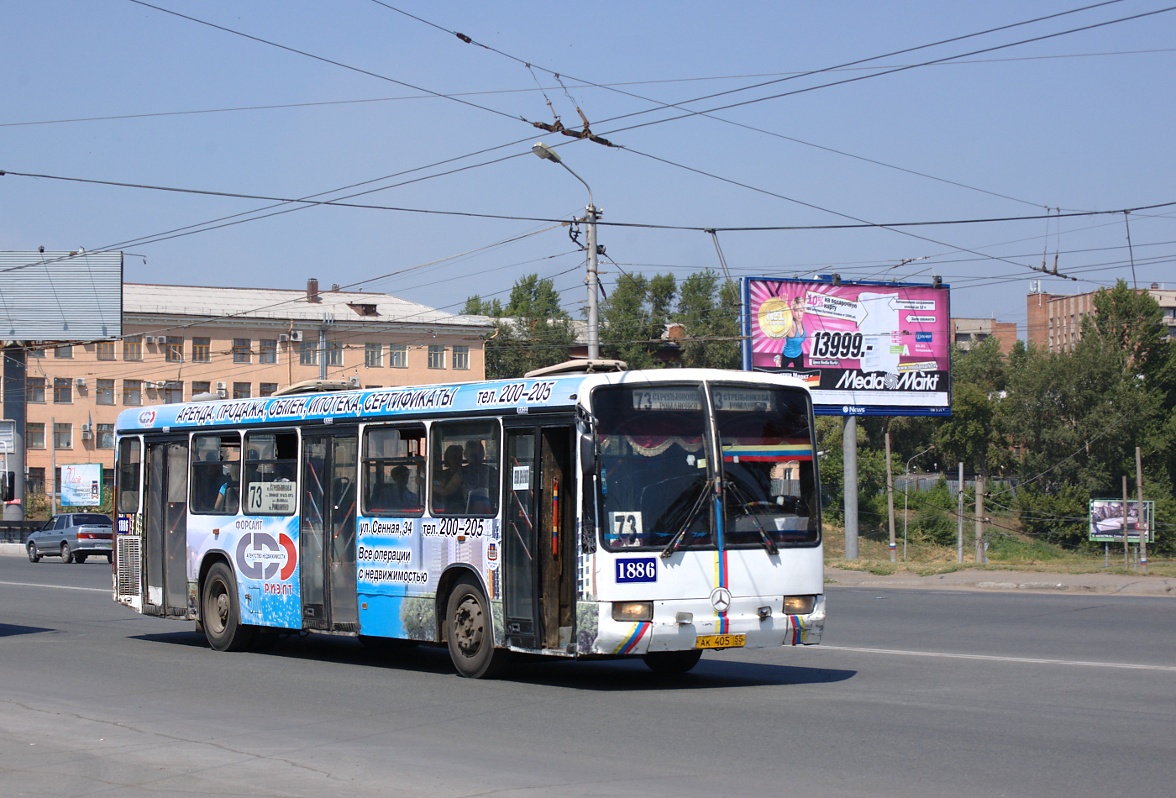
{"x": 17, "y": 531}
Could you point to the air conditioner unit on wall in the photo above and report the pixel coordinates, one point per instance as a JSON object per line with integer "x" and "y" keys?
{"x": 150, "y": 339}
{"x": 80, "y": 382}
{"x": 159, "y": 386}
{"x": 86, "y": 434}
{"x": 220, "y": 386}
{"x": 296, "y": 336}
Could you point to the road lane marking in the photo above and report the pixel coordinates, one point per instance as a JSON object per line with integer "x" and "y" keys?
{"x": 994, "y": 658}
{"x": 55, "y": 587}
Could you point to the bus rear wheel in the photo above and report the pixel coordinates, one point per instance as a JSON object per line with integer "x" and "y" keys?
{"x": 469, "y": 634}
{"x": 673, "y": 662}
{"x": 220, "y": 614}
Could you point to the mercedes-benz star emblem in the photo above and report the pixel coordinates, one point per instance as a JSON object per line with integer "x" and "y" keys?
{"x": 720, "y": 599}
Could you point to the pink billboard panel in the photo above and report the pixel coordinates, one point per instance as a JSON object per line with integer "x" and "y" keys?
{"x": 863, "y": 348}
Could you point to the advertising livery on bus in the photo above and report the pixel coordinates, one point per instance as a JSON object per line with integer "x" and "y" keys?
{"x": 625, "y": 513}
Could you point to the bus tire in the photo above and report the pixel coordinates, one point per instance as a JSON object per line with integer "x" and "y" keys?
{"x": 219, "y": 611}
{"x": 470, "y": 635}
{"x": 673, "y": 662}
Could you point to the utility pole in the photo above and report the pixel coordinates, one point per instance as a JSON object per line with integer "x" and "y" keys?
{"x": 960, "y": 518}
{"x": 890, "y": 500}
{"x": 981, "y": 554}
{"x": 1144, "y": 528}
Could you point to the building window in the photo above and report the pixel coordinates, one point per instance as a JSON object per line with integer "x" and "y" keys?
{"x": 173, "y": 349}
{"x": 267, "y": 350}
{"x": 35, "y": 390}
{"x": 104, "y": 394}
{"x": 242, "y": 350}
{"x": 35, "y": 481}
{"x": 63, "y": 436}
{"x": 267, "y": 389}
{"x": 461, "y": 357}
{"x": 242, "y": 390}
{"x": 105, "y": 350}
{"x": 64, "y": 351}
{"x": 104, "y": 436}
{"x": 373, "y": 355}
{"x": 398, "y": 356}
{"x": 201, "y": 387}
{"x": 201, "y": 350}
{"x": 436, "y": 356}
{"x": 334, "y": 353}
{"x": 36, "y": 352}
{"x": 308, "y": 353}
{"x": 133, "y": 347}
{"x": 62, "y": 391}
{"x": 173, "y": 393}
{"x": 132, "y": 392}
{"x": 35, "y": 436}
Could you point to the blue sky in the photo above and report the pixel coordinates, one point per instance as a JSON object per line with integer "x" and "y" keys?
{"x": 329, "y": 95}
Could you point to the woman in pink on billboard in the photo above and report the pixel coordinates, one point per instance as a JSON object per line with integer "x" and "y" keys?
{"x": 794, "y": 336}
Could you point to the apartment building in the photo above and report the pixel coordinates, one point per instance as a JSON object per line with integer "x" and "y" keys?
{"x": 966, "y": 333}
{"x": 181, "y": 342}
{"x": 1055, "y": 322}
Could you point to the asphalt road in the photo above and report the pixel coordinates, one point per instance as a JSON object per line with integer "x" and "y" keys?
{"x": 914, "y": 693}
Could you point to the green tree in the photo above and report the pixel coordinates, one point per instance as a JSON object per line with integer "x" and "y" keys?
{"x": 532, "y": 330}
{"x": 709, "y": 311}
{"x": 634, "y": 319}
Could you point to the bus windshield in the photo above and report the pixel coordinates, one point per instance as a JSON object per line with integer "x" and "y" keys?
{"x": 654, "y": 470}
{"x": 657, "y": 478}
{"x": 769, "y": 482}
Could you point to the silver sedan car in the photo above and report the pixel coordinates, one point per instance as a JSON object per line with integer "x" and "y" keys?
{"x": 73, "y": 537}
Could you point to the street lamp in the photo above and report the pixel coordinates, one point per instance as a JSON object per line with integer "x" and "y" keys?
{"x": 906, "y": 490}
{"x": 548, "y": 154}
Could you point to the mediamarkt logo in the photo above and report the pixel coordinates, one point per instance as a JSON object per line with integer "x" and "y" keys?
{"x": 879, "y": 381}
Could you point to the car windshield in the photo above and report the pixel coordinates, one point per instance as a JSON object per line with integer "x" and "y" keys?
{"x": 769, "y": 480}
{"x": 653, "y": 466}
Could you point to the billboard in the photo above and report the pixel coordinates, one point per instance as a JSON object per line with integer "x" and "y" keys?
{"x": 81, "y": 485}
{"x": 863, "y": 348}
{"x": 1106, "y": 520}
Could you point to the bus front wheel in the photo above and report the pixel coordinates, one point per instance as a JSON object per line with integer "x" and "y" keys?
{"x": 220, "y": 614}
{"x": 469, "y": 633}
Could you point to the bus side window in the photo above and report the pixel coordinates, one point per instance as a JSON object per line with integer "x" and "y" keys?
{"x": 216, "y": 474}
{"x": 271, "y": 468}
{"x": 394, "y": 471}
{"x": 464, "y": 468}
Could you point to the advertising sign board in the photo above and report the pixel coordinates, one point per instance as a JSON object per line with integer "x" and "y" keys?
{"x": 862, "y": 348}
{"x": 81, "y": 485}
{"x": 1106, "y": 520}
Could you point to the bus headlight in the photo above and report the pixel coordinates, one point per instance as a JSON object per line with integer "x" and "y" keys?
{"x": 632, "y": 611}
{"x": 799, "y": 605}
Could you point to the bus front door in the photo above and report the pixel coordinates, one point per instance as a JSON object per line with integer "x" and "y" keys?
{"x": 166, "y": 528}
{"x": 327, "y": 531}
{"x": 539, "y": 538}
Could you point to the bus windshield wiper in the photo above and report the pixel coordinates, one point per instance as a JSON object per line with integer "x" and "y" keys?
{"x": 745, "y": 505}
{"x": 676, "y": 541}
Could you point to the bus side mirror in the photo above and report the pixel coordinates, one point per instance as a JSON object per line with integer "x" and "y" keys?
{"x": 8, "y": 488}
{"x": 587, "y": 454}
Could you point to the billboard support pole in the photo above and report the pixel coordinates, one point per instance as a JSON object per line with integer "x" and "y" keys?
{"x": 890, "y": 499}
{"x": 849, "y": 456}
{"x": 1143, "y": 533}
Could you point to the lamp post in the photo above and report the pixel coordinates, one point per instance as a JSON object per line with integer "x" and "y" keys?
{"x": 906, "y": 490}
{"x": 548, "y": 154}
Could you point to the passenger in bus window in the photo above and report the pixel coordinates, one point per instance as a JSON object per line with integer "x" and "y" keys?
{"x": 396, "y": 494}
{"x": 448, "y": 489}
{"x": 476, "y": 474}
{"x": 226, "y": 497}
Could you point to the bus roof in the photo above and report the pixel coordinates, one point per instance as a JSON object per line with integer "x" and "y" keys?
{"x": 542, "y": 394}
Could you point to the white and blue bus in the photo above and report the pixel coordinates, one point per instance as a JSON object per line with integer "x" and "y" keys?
{"x": 629, "y": 513}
